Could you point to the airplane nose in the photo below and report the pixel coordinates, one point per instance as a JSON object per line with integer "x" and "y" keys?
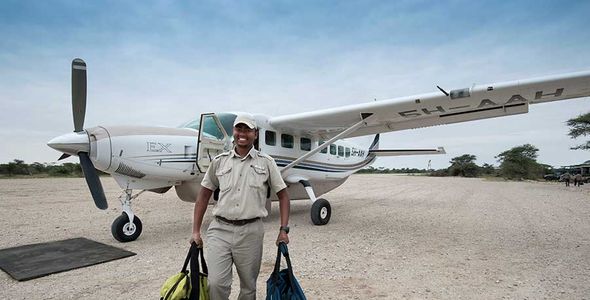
{"x": 71, "y": 143}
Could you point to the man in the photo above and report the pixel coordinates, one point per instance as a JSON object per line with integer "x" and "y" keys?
{"x": 578, "y": 179}
{"x": 566, "y": 178}
{"x": 235, "y": 235}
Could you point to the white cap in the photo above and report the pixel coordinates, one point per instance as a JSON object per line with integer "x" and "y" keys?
{"x": 247, "y": 119}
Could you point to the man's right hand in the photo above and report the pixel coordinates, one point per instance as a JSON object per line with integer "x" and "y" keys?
{"x": 197, "y": 239}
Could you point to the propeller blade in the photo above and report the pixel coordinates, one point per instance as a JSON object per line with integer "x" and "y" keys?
{"x": 78, "y": 93}
{"x": 93, "y": 181}
{"x": 64, "y": 156}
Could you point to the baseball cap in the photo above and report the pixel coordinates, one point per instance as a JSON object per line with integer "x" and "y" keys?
{"x": 246, "y": 119}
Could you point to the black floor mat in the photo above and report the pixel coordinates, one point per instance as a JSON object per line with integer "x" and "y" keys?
{"x": 37, "y": 260}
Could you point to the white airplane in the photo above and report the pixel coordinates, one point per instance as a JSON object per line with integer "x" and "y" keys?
{"x": 308, "y": 147}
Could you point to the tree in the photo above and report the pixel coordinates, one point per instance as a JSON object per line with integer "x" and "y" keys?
{"x": 17, "y": 167}
{"x": 487, "y": 169}
{"x": 59, "y": 171}
{"x": 580, "y": 126}
{"x": 37, "y": 168}
{"x": 464, "y": 166}
{"x": 520, "y": 163}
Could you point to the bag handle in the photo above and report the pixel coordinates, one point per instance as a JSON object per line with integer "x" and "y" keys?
{"x": 282, "y": 249}
{"x": 201, "y": 255}
{"x": 188, "y": 257}
{"x": 184, "y": 270}
{"x": 194, "y": 275}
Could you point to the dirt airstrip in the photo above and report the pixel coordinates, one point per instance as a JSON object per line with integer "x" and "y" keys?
{"x": 390, "y": 237}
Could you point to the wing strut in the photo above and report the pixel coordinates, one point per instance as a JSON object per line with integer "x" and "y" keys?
{"x": 364, "y": 116}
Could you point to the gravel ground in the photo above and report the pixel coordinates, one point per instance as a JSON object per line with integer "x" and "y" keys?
{"x": 406, "y": 237}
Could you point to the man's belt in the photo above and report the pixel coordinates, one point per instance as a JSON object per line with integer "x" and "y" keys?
{"x": 237, "y": 222}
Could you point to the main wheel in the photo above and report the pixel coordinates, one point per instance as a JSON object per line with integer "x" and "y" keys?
{"x": 125, "y": 231}
{"x": 321, "y": 212}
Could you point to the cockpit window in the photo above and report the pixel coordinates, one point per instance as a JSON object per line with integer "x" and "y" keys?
{"x": 226, "y": 119}
{"x": 194, "y": 124}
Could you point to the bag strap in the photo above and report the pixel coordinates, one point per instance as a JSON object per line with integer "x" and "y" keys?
{"x": 188, "y": 258}
{"x": 174, "y": 286}
{"x": 284, "y": 251}
{"x": 275, "y": 271}
{"x": 194, "y": 263}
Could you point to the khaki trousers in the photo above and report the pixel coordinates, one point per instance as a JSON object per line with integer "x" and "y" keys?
{"x": 239, "y": 245}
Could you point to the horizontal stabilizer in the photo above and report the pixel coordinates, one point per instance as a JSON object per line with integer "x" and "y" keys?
{"x": 400, "y": 152}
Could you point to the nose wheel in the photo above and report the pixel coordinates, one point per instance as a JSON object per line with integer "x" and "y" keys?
{"x": 125, "y": 231}
{"x": 127, "y": 227}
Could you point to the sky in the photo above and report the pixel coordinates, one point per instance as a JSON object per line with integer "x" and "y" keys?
{"x": 166, "y": 62}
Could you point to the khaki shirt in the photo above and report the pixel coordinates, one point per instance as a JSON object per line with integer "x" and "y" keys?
{"x": 242, "y": 183}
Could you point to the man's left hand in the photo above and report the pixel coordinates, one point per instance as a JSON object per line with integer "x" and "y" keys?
{"x": 283, "y": 237}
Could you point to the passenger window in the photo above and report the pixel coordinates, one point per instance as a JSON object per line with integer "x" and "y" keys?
{"x": 287, "y": 140}
{"x": 347, "y": 152}
{"x": 305, "y": 144}
{"x": 270, "y": 138}
{"x": 340, "y": 150}
{"x": 333, "y": 149}
{"x": 325, "y": 150}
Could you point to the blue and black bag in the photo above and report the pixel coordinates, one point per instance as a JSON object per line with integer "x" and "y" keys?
{"x": 282, "y": 285}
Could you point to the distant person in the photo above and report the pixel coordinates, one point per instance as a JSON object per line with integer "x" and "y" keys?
{"x": 578, "y": 180}
{"x": 566, "y": 178}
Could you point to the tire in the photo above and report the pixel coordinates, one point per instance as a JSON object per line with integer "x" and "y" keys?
{"x": 123, "y": 232}
{"x": 321, "y": 212}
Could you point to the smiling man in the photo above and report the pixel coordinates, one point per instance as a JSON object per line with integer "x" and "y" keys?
{"x": 235, "y": 235}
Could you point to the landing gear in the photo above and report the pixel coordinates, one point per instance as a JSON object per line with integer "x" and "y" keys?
{"x": 125, "y": 231}
{"x": 320, "y": 208}
{"x": 321, "y": 212}
{"x": 127, "y": 227}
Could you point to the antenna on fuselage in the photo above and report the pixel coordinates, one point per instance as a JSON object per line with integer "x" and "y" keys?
{"x": 443, "y": 91}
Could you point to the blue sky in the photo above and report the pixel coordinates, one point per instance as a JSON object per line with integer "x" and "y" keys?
{"x": 165, "y": 62}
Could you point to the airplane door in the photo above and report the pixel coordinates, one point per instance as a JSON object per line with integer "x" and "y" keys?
{"x": 213, "y": 140}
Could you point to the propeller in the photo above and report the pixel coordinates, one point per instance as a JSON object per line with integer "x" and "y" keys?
{"x": 79, "y": 112}
{"x": 78, "y": 93}
{"x": 93, "y": 181}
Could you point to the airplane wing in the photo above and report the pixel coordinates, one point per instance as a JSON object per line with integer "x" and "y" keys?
{"x": 459, "y": 105}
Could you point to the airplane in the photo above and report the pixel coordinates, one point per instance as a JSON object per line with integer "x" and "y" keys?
{"x": 309, "y": 148}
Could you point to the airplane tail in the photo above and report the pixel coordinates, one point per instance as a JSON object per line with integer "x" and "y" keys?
{"x": 375, "y": 143}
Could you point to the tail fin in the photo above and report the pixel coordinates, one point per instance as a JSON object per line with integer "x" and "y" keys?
{"x": 375, "y": 143}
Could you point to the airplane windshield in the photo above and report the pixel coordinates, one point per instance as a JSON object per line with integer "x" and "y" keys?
{"x": 193, "y": 124}
{"x": 227, "y": 120}
{"x": 211, "y": 129}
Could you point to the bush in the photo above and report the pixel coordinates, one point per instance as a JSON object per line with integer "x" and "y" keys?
{"x": 520, "y": 163}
